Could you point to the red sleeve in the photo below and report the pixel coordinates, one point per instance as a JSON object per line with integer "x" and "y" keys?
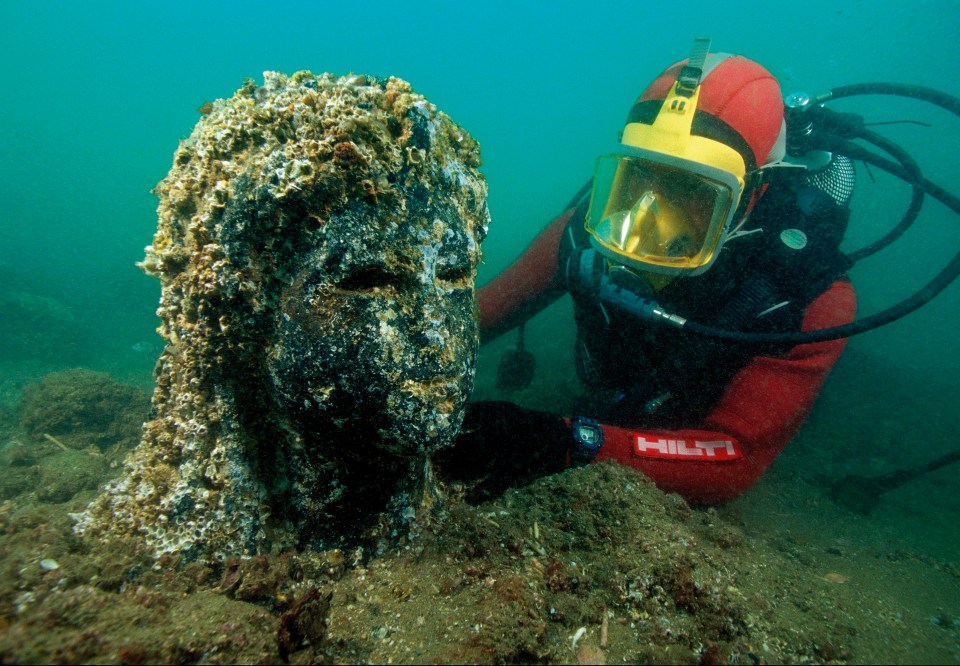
{"x": 758, "y": 413}
{"x": 530, "y": 284}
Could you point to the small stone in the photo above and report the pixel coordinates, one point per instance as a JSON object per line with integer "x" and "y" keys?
{"x": 49, "y": 565}
{"x": 588, "y": 653}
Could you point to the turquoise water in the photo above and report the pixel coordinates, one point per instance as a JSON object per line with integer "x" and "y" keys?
{"x": 95, "y": 96}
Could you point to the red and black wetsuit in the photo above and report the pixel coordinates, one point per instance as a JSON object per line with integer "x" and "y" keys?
{"x": 701, "y": 417}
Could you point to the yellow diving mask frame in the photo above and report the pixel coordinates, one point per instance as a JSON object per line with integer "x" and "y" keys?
{"x": 664, "y": 200}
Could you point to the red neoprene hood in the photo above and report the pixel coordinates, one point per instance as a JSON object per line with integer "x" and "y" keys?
{"x": 738, "y": 91}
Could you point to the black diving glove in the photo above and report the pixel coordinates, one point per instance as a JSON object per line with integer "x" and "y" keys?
{"x": 502, "y": 445}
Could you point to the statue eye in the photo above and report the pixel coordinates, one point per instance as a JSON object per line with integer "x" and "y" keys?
{"x": 455, "y": 277}
{"x": 367, "y": 279}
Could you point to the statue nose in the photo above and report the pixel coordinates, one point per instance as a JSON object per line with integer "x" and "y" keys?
{"x": 434, "y": 338}
{"x": 443, "y": 337}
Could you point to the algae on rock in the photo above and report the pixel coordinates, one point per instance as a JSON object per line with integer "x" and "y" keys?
{"x": 317, "y": 246}
{"x": 88, "y": 408}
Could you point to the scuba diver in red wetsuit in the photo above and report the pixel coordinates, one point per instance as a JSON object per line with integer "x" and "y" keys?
{"x": 709, "y": 289}
{"x": 695, "y": 215}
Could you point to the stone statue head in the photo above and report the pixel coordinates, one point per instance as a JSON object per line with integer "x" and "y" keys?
{"x": 317, "y": 246}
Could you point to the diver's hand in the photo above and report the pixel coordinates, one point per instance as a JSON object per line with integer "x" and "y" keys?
{"x": 502, "y": 445}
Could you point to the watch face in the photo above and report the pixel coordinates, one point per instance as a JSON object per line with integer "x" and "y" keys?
{"x": 588, "y": 434}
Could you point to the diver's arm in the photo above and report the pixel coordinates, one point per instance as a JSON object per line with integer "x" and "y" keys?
{"x": 526, "y": 287}
{"x": 759, "y": 412}
{"x": 502, "y": 444}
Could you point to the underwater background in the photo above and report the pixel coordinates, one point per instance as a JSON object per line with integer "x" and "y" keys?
{"x": 94, "y": 97}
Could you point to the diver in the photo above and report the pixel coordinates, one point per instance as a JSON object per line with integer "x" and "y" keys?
{"x": 701, "y": 215}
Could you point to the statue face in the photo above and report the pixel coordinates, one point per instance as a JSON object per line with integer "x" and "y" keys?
{"x": 377, "y": 334}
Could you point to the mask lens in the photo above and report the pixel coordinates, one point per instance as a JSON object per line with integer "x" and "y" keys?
{"x": 656, "y": 215}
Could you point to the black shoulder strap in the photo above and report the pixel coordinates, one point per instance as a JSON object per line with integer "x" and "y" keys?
{"x": 799, "y": 246}
{"x": 575, "y": 236}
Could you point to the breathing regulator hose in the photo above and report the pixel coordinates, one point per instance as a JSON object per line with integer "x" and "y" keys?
{"x": 833, "y": 134}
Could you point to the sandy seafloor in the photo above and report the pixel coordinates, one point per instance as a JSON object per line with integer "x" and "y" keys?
{"x": 590, "y": 566}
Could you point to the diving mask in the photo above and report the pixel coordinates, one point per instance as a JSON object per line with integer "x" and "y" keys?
{"x": 663, "y": 202}
{"x": 660, "y": 213}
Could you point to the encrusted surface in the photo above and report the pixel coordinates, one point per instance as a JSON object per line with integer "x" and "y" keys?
{"x": 317, "y": 246}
